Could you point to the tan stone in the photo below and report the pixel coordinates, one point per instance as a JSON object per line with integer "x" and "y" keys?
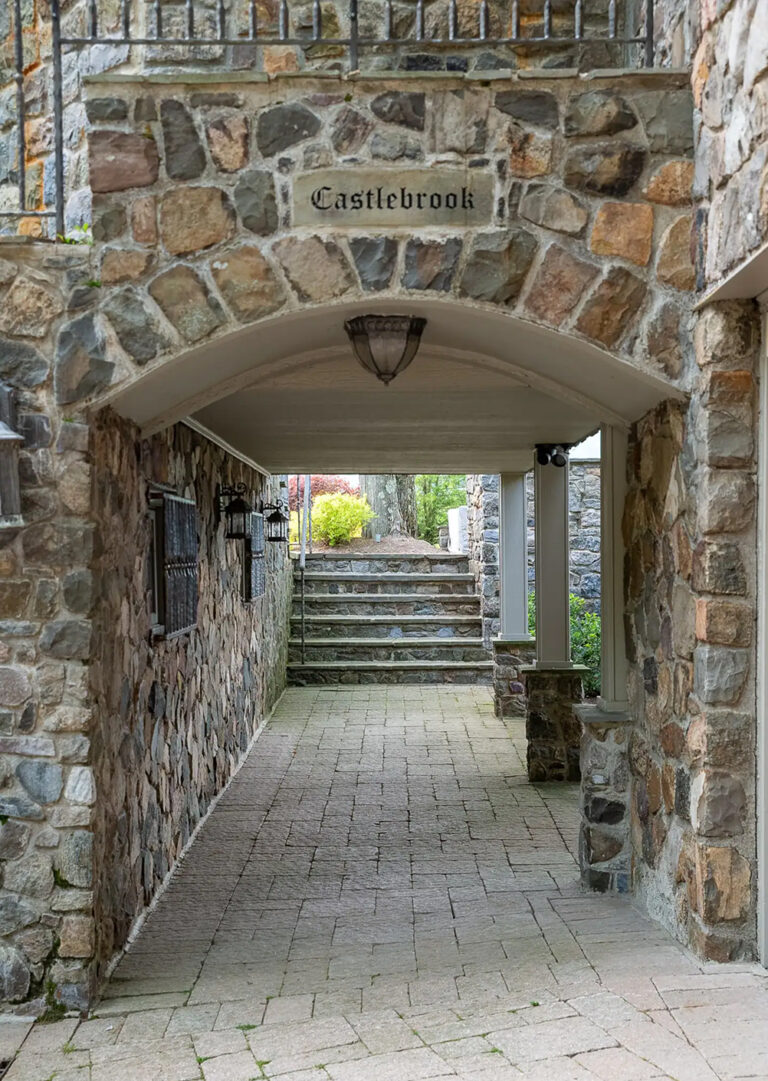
{"x": 530, "y": 153}
{"x": 653, "y": 788}
{"x": 724, "y": 623}
{"x": 553, "y": 208}
{"x": 663, "y": 341}
{"x": 624, "y": 229}
{"x": 558, "y": 286}
{"x": 668, "y": 786}
{"x": 28, "y": 309}
{"x": 731, "y": 388}
{"x": 248, "y": 283}
{"x": 119, "y": 160}
{"x": 671, "y": 184}
{"x": 317, "y": 269}
{"x": 723, "y": 879}
{"x": 192, "y": 219}
{"x": 277, "y": 58}
{"x": 123, "y": 265}
{"x": 675, "y": 265}
{"x": 75, "y": 487}
{"x": 228, "y": 142}
{"x": 144, "y": 220}
{"x": 187, "y": 303}
{"x": 611, "y": 309}
{"x": 76, "y": 936}
{"x": 727, "y": 501}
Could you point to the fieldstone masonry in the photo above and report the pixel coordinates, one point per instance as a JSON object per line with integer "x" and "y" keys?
{"x": 605, "y": 855}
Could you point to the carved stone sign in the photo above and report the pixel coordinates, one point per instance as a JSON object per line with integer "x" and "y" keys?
{"x": 393, "y": 198}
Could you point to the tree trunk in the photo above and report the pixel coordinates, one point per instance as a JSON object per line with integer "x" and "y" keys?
{"x": 392, "y": 498}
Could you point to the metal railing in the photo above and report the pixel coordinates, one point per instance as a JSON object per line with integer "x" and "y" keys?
{"x": 185, "y": 33}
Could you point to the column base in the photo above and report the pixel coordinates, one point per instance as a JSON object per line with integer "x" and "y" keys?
{"x": 552, "y": 731}
{"x": 510, "y": 655}
{"x": 605, "y": 858}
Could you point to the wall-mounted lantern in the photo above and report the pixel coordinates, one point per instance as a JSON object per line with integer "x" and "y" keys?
{"x": 236, "y": 511}
{"x": 10, "y": 445}
{"x": 277, "y": 518}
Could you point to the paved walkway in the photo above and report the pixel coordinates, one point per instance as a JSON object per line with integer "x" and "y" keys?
{"x": 382, "y": 896}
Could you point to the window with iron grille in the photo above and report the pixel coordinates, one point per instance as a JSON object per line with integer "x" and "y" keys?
{"x": 173, "y": 564}
{"x": 254, "y": 564}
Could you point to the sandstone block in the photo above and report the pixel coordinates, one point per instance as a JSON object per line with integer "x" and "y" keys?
{"x": 719, "y": 674}
{"x": 607, "y": 169}
{"x": 727, "y": 503}
{"x": 76, "y": 937}
{"x": 726, "y": 335}
{"x": 675, "y": 265}
{"x": 247, "y": 283}
{"x": 624, "y": 229}
{"x": 317, "y": 269}
{"x": 187, "y": 303}
{"x": 559, "y": 285}
{"x": 228, "y": 142}
{"x": 724, "y": 623}
{"x": 431, "y": 265}
{"x": 598, "y": 112}
{"x": 144, "y": 220}
{"x": 123, "y": 265}
{"x": 28, "y": 309}
{"x": 718, "y": 804}
{"x": 530, "y": 152}
{"x": 553, "y": 208}
{"x": 184, "y": 154}
{"x": 192, "y": 219}
{"x": 284, "y": 126}
{"x": 118, "y": 161}
{"x": 611, "y": 309}
{"x": 497, "y": 266}
{"x": 723, "y": 880}
{"x": 671, "y": 184}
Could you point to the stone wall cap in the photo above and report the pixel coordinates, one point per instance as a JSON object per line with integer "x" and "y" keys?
{"x": 590, "y": 714}
{"x": 500, "y": 643}
{"x": 171, "y": 78}
{"x": 554, "y": 671}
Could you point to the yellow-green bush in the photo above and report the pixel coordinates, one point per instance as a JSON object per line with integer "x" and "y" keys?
{"x": 337, "y": 518}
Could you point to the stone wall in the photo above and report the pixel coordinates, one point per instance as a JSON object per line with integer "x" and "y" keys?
{"x": 690, "y": 535}
{"x": 172, "y": 718}
{"x": 584, "y": 535}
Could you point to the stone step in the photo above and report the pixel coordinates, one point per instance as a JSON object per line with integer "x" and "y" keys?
{"x": 446, "y": 650}
{"x": 424, "y": 563}
{"x": 383, "y": 604}
{"x": 351, "y": 672}
{"x": 385, "y": 583}
{"x": 439, "y": 626}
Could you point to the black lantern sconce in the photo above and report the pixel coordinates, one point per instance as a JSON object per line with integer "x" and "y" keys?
{"x": 553, "y": 454}
{"x": 276, "y": 518}
{"x": 235, "y": 510}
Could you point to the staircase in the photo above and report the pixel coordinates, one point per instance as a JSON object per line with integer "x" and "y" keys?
{"x": 387, "y": 619}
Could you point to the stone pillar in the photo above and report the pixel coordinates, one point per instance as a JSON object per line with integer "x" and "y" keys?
{"x": 552, "y": 730}
{"x": 604, "y": 846}
{"x": 553, "y": 637}
{"x": 613, "y": 489}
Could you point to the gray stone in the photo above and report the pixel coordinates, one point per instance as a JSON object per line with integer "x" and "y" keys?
{"x": 111, "y": 224}
{"x": 81, "y": 361}
{"x": 137, "y": 331}
{"x": 184, "y": 154}
{"x": 77, "y": 589}
{"x": 14, "y": 975}
{"x": 375, "y": 259}
{"x": 42, "y": 780}
{"x": 598, "y": 112}
{"x": 23, "y": 364}
{"x": 350, "y": 130}
{"x": 284, "y": 126}
{"x": 718, "y": 567}
{"x": 15, "y": 913}
{"x": 607, "y": 169}
{"x": 497, "y": 265}
{"x": 431, "y": 264}
{"x": 73, "y": 859}
{"x": 719, "y": 674}
{"x": 537, "y": 107}
{"x": 20, "y": 807}
{"x": 106, "y": 109}
{"x": 554, "y": 209}
{"x": 14, "y": 837}
{"x": 145, "y": 110}
{"x": 255, "y": 202}
{"x": 721, "y": 805}
{"x": 36, "y": 429}
{"x": 187, "y": 303}
{"x": 668, "y": 119}
{"x": 404, "y": 109}
{"x": 394, "y": 145}
{"x": 67, "y": 639}
{"x": 30, "y": 877}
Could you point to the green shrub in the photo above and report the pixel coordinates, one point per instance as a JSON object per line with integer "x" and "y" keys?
{"x": 339, "y": 518}
{"x": 585, "y": 639}
{"x": 436, "y": 494}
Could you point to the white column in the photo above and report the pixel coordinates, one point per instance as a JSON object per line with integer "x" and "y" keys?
{"x": 762, "y": 646}
{"x": 513, "y": 558}
{"x": 553, "y": 632}
{"x": 613, "y": 490}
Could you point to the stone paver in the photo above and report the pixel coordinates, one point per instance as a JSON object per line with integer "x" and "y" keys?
{"x": 382, "y": 896}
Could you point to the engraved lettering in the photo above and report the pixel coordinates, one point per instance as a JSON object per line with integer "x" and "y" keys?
{"x": 320, "y": 199}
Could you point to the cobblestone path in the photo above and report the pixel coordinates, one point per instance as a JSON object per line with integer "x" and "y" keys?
{"x": 382, "y": 896}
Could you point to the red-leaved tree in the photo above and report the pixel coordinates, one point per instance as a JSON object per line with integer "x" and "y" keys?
{"x": 322, "y": 484}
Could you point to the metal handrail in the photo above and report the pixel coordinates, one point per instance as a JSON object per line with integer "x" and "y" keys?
{"x": 303, "y": 561}
{"x": 575, "y": 32}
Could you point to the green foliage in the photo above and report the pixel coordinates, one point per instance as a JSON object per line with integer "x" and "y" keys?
{"x": 585, "y": 639}
{"x": 80, "y": 234}
{"x": 339, "y": 518}
{"x": 436, "y": 494}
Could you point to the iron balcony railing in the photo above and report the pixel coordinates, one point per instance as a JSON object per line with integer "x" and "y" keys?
{"x": 331, "y": 34}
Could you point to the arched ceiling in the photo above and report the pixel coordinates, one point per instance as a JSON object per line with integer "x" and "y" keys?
{"x": 289, "y": 395}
